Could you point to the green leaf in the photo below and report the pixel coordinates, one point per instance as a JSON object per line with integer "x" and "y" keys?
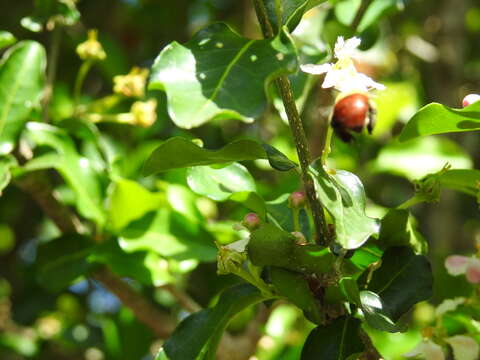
{"x": 6, "y": 163}
{"x": 272, "y": 246}
{"x": 143, "y": 266}
{"x": 430, "y": 154}
{"x": 439, "y": 119}
{"x": 336, "y": 341}
{"x": 232, "y": 182}
{"x": 343, "y": 196}
{"x": 399, "y": 228}
{"x": 220, "y": 75}
{"x": 63, "y": 260}
{"x": 176, "y": 231}
{"x": 22, "y": 78}
{"x": 349, "y": 288}
{"x": 277, "y": 159}
{"x": 280, "y": 213}
{"x": 200, "y": 333}
{"x": 403, "y": 280}
{"x": 346, "y": 10}
{"x": 179, "y": 152}
{"x": 129, "y": 201}
{"x": 220, "y": 184}
{"x": 77, "y": 171}
{"x": 285, "y": 13}
{"x": 462, "y": 180}
{"x": 6, "y": 39}
{"x": 294, "y": 286}
{"x": 375, "y": 314}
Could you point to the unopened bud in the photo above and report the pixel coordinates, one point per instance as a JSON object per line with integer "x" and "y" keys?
{"x": 251, "y": 221}
{"x": 297, "y": 199}
{"x": 91, "y": 49}
{"x": 470, "y": 99}
{"x": 132, "y": 84}
{"x": 144, "y": 112}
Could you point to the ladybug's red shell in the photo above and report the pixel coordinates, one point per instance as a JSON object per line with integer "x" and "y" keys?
{"x": 352, "y": 113}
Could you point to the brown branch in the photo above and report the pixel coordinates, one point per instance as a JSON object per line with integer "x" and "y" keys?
{"x": 37, "y": 185}
{"x": 161, "y": 324}
{"x": 360, "y": 13}
{"x": 183, "y": 299}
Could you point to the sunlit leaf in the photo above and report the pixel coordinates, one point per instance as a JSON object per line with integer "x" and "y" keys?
{"x": 220, "y": 75}
{"x": 6, "y": 39}
{"x": 22, "y": 75}
{"x": 129, "y": 201}
{"x": 6, "y": 163}
{"x": 375, "y": 313}
{"x": 75, "y": 169}
{"x": 342, "y": 194}
{"x": 436, "y": 118}
{"x": 430, "y": 154}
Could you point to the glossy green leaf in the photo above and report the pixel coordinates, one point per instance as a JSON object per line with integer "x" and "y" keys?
{"x": 375, "y": 313}
{"x": 176, "y": 231}
{"x": 294, "y": 286}
{"x": 77, "y": 171}
{"x": 343, "y": 196}
{"x": 439, "y": 119}
{"x": 220, "y": 75}
{"x": 336, "y": 341}
{"x": 63, "y": 260}
{"x": 403, "y": 280}
{"x": 280, "y": 213}
{"x": 200, "y": 333}
{"x": 129, "y": 201}
{"x": 271, "y": 246}
{"x": 179, "y": 152}
{"x": 219, "y": 184}
{"x": 285, "y": 13}
{"x": 6, "y": 163}
{"x": 6, "y": 39}
{"x": 430, "y": 154}
{"x": 399, "y": 228}
{"x": 22, "y": 78}
{"x": 144, "y": 266}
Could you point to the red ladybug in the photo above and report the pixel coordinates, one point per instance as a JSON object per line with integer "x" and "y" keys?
{"x": 353, "y": 113}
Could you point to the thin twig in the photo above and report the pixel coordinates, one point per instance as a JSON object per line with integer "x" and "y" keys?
{"x": 360, "y": 13}
{"x": 183, "y": 299}
{"x": 161, "y": 324}
{"x": 301, "y": 143}
{"x": 52, "y": 69}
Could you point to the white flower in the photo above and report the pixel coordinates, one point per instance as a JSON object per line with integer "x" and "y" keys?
{"x": 428, "y": 349}
{"x": 448, "y": 305}
{"x": 239, "y": 245}
{"x": 464, "y": 347}
{"x": 343, "y": 75}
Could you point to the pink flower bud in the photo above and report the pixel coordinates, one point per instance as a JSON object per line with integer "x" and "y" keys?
{"x": 473, "y": 271}
{"x": 251, "y": 221}
{"x": 297, "y": 199}
{"x": 456, "y": 264}
{"x": 470, "y": 99}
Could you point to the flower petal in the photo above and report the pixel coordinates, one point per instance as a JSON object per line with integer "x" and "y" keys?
{"x": 238, "y": 246}
{"x": 428, "y": 349}
{"x": 449, "y": 305}
{"x": 346, "y": 48}
{"x": 464, "y": 347}
{"x": 456, "y": 264}
{"x": 473, "y": 271}
{"x": 316, "y": 69}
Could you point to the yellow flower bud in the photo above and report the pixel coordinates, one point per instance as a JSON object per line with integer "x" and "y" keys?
{"x": 144, "y": 112}
{"x": 132, "y": 84}
{"x": 91, "y": 49}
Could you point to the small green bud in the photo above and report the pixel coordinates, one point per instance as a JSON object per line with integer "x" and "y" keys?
{"x": 229, "y": 261}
